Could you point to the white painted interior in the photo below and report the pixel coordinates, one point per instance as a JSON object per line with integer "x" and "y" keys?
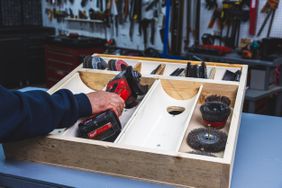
{"x": 76, "y": 85}
{"x": 153, "y": 127}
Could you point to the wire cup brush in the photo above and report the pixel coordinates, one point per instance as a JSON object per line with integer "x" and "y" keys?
{"x": 207, "y": 140}
{"x": 215, "y": 111}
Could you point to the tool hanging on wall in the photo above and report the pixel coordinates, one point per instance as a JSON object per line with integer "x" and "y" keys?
{"x": 254, "y": 4}
{"x": 208, "y": 46}
{"x": 269, "y": 8}
{"x": 188, "y": 24}
{"x": 83, "y": 3}
{"x": 135, "y": 16}
{"x": 211, "y": 4}
{"x": 232, "y": 15}
{"x": 152, "y": 11}
{"x": 197, "y": 23}
{"x": 176, "y": 26}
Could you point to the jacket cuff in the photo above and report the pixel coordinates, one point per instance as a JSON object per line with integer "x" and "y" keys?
{"x": 84, "y": 105}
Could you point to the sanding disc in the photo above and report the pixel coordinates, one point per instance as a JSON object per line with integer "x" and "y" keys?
{"x": 99, "y": 63}
{"x": 94, "y": 62}
{"x": 208, "y": 140}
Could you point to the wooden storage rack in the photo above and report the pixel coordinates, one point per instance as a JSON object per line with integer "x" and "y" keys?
{"x": 155, "y": 151}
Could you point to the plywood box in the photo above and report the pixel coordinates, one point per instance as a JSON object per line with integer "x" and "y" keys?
{"x": 152, "y": 145}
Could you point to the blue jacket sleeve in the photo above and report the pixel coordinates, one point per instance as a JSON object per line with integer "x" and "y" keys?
{"x": 35, "y": 113}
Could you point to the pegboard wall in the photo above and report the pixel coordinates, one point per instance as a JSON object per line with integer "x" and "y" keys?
{"x": 244, "y": 31}
{"x": 98, "y": 30}
{"x": 123, "y": 39}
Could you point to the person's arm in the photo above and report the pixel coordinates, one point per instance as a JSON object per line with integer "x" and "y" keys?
{"x": 34, "y": 113}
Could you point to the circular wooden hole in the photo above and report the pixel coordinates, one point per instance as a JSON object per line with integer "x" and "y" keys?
{"x": 175, "y": 110}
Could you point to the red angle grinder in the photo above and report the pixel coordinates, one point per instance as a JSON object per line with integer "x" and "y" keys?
{"x": 106, "y": 125}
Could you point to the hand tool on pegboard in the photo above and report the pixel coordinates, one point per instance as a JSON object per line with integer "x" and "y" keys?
{"x": 188, "y": 24}
{"x": 211, "y": 4}
{"x": 232, "y": 15}
{"x": 176, "y": 26}
{"x": 254, "y": 4}
{"x": 106, "y": 125}
{"x": 197, "y": 23}
{"x": 269, "y": 8}
{"x": 135, "y": 16}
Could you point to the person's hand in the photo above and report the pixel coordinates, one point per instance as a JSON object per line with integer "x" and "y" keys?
{"x": 102, "y": 101}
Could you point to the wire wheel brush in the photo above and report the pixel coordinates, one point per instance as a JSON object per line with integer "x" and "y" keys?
{"x": 207, "y": 140}
{"x": 215, "y": 111}
{"x": 214, "y": 98}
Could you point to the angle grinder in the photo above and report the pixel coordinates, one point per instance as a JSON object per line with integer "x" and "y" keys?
{"x": 106, "y": 125}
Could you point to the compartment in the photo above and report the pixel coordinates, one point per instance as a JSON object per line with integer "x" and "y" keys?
{"x": 90, "y": 81}
{"x": 145, "y": 68}
{"x": 160, "y": 122}
{"x": 196, "y": 122}
{"x": 221, "y": 70}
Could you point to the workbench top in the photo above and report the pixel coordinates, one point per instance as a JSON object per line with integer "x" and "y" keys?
{"x": 258, "y": 163}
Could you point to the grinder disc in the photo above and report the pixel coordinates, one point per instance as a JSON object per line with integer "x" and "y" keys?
{"x": 215, "y": 113}
{"x": 214, "y": 98}
{"x": 94, "y": 62}
{"x": 208, "y": 140}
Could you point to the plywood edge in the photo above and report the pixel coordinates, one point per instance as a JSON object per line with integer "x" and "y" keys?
{"x": 235, "y": 121}
{"x": 118, "y": 161}
{"x": 167, "y": 60}
{"x": 235, "y": 125}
